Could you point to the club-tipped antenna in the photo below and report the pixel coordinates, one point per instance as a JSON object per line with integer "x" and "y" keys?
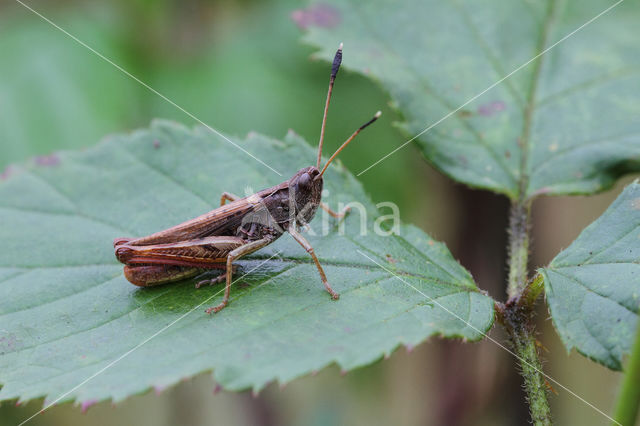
{"x": 337, "y": 60}
{"x": 352, "y": 137}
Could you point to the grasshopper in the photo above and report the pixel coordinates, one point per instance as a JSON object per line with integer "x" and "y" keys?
{"x": 218, "y": 238}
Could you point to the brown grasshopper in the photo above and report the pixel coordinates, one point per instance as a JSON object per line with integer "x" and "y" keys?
{"x": 216, "y": 239}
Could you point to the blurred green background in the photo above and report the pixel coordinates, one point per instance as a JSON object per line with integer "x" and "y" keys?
{"x": 239, "y": 66}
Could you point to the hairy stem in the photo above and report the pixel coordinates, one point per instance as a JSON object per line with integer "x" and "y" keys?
{"x": 518, "y": 311}
{"x": 517, "y": 314}
{"x": 629, "y": 398}
{"x": 524, "y": 345}
{"x": 518, "y": 247}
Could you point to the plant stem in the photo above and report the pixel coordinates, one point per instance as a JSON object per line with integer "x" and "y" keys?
{"x": 518, "y": 247}
{"x": 524, "y": 345}
{"x": 629, "y": 398}
{"x": 517, "y": 315}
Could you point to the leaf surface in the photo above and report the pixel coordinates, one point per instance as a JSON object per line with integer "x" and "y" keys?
{"x": 68, "y": 313}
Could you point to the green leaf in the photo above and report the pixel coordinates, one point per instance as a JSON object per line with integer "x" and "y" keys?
{"x": 67, "y": 312}
{"x": 593, "y": 287}
{"x": 566, "y": 123}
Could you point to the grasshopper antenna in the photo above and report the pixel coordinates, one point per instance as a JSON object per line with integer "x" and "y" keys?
{"x": 375, "y": 117}
{"x": 337, "y": 60}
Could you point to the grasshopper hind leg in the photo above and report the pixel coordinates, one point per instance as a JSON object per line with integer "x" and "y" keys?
{"x": 120, "y": 241}
{"x": 152, "y": 275}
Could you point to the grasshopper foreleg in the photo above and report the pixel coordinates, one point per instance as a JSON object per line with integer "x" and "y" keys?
{"x": 305, "y": 244}
{"x": 235, "y": 255}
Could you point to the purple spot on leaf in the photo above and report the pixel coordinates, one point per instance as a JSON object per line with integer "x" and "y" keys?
{"x": 9, "y": 342}
{"x": 491, "y": 108}
{"x": 7, "y": 172}
{"x": 319, "y": 15}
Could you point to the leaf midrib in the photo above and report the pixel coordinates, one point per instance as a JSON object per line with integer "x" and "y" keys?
{"x": 531, "y": 102}
{"x": 424, "y": 278}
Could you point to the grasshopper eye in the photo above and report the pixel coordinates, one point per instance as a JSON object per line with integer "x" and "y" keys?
{"x": 305, "y": 181}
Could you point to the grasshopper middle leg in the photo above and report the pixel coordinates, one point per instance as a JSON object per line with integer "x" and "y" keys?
{"x": 227, "y": 196}
{"x": 338, "y": 215}
{"x": 217, "y": 279}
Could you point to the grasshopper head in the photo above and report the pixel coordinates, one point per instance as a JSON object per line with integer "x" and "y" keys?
{"x": 306, "y": 188}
